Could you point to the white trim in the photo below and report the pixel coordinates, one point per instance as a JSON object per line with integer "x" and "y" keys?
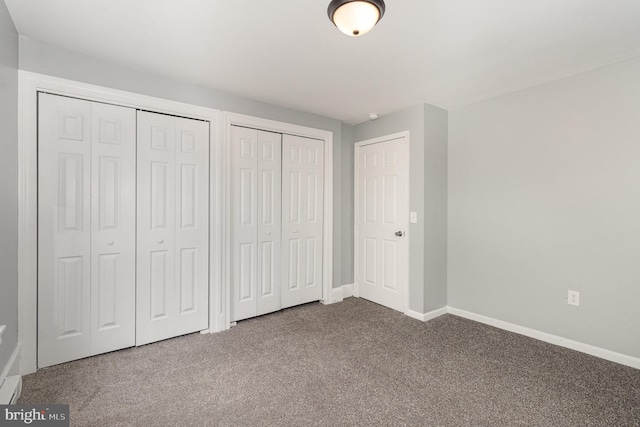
{"x": 279, "y": 127}
{"x": 406, "y": 137}
{"x": 347, "y": 290}
{"x": 13, "y": 364}
{"x": 342, "y": 292}
{"x": 337, "y": 295}
{"x": 30, "y": 85}
{"x": 10, "y": 382}
{"x": 602, "y": 353}
{"x": 216, "y": 248}
{"x": 425, "y": 317}
{"x": 10, "y": 389}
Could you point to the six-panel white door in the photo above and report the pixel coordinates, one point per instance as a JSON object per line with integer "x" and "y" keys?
{"x": 255, "y": 222}
{"x": 302, "y": 219}
{"x": 173, "y": 227}
{"x": 113, "y": 227}
{"x": 86, "y": 229}
{"x": 381, "y": 222}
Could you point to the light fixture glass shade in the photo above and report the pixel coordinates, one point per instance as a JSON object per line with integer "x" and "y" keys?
{"x": 356, "y": 18}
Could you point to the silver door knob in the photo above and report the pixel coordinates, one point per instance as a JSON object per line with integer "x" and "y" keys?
{"x": 295, "y": 231}
{"x": 268, "y": 233}
{"x": 399, "y": 233}
{"x": 110, "y": 242}
{"x": 160, "y": 241}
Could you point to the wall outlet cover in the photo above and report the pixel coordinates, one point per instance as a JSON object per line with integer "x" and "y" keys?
{"x": 573, "y": 298}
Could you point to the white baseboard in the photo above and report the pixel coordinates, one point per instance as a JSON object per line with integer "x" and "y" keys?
{"x": 340, "y": 293}
{"x": 10, "y": 389}
{"x": 10, "y": 380}
{"x": 425, "y": 317}
{"x": 347, "y": 290}
{"x": 336, "y": 295}
{"x": 13, "y": 365}
{"x": 602, "y": 353}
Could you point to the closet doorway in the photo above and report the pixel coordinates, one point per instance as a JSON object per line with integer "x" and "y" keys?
{"x": 276, "y": 221}
{"x": 123, "y": 227}
{"x": 279, "y": 216}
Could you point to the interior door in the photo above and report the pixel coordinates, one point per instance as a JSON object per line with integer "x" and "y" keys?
{"x": 192, "y": 226}
{"x": 381, "y": 222}
{"x": 269, "y": 221}
{"x": 172, "y": 251}
{"x": 255, "y": 222}
{"x": 86, "y": 228}
{"x": 302, "y": 219}
{"x": 244, "y": 222}
{"x": 64, "y": 229}
{"x": 113, "y": 227}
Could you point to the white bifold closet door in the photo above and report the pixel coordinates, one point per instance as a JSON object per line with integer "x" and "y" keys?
{"x": 173, "y": 227}
{"x": 255, "y": 222}
{"x": 276, "y": 221}
{"x": 302, "y": 219}
{"x": 86, "y": 228}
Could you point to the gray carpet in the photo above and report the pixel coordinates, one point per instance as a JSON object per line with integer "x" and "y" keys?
{"x": 353, "y": 363}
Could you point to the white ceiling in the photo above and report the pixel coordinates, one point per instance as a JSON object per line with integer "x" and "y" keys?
{"x": 448, "y": 53}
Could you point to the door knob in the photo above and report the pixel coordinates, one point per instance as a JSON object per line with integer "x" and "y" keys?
{"x": 268, "y": 233}
{"x": 160, "y": 241}
{"x": 110, "y": 242}
{"x": 399, "y": 233}
{"x": 295, "y": 231}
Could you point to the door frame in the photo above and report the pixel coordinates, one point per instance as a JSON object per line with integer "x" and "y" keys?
{"x": 229, "y": 119}
{"x": 29, "y": 86}
{"x": 405, "y": 140}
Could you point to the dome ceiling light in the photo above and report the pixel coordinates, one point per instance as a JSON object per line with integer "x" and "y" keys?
{"x": 355, "y": 17}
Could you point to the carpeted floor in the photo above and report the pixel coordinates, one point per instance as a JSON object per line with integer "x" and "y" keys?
{"x": 353, "y": 363}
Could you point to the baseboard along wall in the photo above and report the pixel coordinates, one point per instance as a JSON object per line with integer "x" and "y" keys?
{"x": 340, "y": 293}
{"x": 13, "y": 364}
{"x": 602, "y": 353}
{"x": 612, "y": 356}
{"x": 425, "y": 317}
{"x": 10, "y": 380}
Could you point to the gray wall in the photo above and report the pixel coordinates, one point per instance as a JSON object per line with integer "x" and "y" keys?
{"x": 427, "y": 196}
{"x": 544, "y": 196}
{"x": 435, "y": 207}
{"x": 46, "y": 59}
{"x": 347, "y": 204}
{"x": 8, "y": 184}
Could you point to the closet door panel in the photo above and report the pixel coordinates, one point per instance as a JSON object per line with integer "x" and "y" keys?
{"x": 113, "y": 227}
{"x": 269, "y": 214}
{"x": 244, "y": 223}
{"x": 302, "y": 219}
{"x": 64, "y": 229}
{"x": 156, "y": 227}
{"x": 173, "y": 227}
{"x": 192, "y": 225}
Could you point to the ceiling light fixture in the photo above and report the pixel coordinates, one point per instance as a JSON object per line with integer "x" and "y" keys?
{"x": 355, "y": 17}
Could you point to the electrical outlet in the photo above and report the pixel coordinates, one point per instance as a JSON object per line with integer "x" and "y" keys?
{"x": 573, "y": 298}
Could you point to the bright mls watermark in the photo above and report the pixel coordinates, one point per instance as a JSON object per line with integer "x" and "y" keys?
{"x": 34, "y": 415}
